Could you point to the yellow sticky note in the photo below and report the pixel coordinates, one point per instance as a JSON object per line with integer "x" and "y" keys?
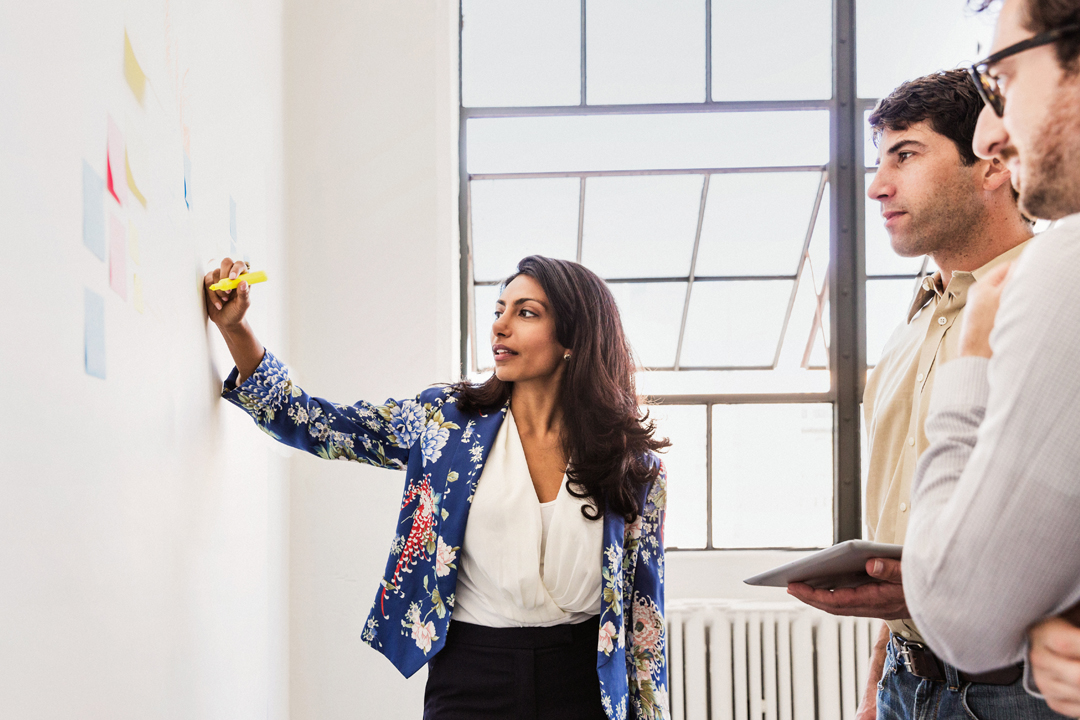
{"x": 136, "y": 78}
{"x": 138, "y": 299}
{"x": 131, "y": 181}
{"x": 133, "y": 241}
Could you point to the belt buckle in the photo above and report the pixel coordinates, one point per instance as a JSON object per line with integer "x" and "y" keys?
{"x": 905, "y": 654}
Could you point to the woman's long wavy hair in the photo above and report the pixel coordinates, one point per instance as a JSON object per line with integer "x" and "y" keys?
{"x": 606, "y": 434}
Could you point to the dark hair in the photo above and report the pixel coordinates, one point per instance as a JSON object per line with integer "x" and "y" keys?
{"x": 607, "y": 436}
{"x": 947, "y": 99}
{"x": 1043, "y": 15}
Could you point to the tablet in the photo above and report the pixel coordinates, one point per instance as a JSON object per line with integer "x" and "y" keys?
{"x": 842, "y": 565}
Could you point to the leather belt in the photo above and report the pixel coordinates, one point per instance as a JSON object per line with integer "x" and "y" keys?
{"x": 921, "y": 662}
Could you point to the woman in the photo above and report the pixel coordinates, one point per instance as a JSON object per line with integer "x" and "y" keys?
{"x": 532, "y": 513}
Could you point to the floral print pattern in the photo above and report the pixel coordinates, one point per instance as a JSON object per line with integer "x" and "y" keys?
{"x": 443, "y": 452}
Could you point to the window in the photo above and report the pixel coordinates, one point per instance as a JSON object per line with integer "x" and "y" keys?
{"x": 708, "y": 160}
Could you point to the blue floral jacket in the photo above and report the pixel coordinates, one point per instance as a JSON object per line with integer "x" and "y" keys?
{"x": 443, "y": 450}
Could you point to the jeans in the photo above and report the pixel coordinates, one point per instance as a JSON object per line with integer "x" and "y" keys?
{"x": 903, "y": 696}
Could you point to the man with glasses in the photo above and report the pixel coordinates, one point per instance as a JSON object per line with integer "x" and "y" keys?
{"x": 994, "y": 539}
{"x": 938, "y": 199}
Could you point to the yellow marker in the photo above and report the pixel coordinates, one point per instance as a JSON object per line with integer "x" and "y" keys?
{"x": 249, "y": 277}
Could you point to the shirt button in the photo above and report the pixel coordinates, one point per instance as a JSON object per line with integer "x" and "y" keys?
{"x": 919, "y": 377}
{"x": 941, "y": 320}
{"x": 903, "y": 507}
{"x": 905, "y": 633}
{"x": 911, "y": 441}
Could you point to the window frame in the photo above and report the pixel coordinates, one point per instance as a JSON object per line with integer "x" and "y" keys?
{"x": 846, "y": 274}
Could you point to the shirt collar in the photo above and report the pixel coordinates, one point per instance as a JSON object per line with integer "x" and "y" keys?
{"x": 931, "y": 287}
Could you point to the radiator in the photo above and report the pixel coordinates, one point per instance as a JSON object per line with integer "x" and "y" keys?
{"x": 732, "y": 660}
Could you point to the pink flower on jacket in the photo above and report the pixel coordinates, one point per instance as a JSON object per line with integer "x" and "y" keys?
{"x": 444, "y": 559}
{"x": 423, "y": 634}
{"x": 607, "y": 635}
{"x": 648, "y": 629}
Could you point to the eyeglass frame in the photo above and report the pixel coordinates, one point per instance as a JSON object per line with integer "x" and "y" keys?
{"x": 982, "y": 80}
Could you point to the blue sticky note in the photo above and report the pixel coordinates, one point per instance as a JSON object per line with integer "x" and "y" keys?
{"x": 94, "y": 337}
{"x": 93, "y": 224}
{"x": 232, "y": 218}
{"x": 187, "y": 181}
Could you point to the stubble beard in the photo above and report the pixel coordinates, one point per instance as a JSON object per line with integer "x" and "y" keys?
{"x": 1050, "y": 175}
{"x": 943, "y": 228}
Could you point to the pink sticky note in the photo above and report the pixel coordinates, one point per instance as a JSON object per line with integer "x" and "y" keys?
{"x": 116, "y": 179}
{"x": 117, "y": 257}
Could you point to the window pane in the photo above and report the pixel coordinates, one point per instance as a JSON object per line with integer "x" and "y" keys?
{"x": 743, "y": 234}
{"x": 686, "y": 524}
{"x": 772, "y": 50}
{"x": 887, "y": 305}
{"x": 641, "y": 226}
{"x": 651, "y": 314}
{"x": 772, "y": 475}
{"x": 484, "y": 314}
{"x": 735, "y": 324}
{"x": 520, "y": 53}
{"x": 648, "y": 142}
{"x": 645, "y": 51}
{"x": 881, "y": 259}
{"x": 897, "y": 42}
{"x": 512, "y": 219}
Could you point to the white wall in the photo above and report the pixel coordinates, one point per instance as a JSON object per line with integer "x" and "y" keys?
{"x": 371, "y": 170}
{"x": 142, "y": 523}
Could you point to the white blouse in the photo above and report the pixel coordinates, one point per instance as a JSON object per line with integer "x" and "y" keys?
{"x": 524, "y": 563}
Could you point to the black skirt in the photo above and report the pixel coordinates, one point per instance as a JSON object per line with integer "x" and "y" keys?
{"x": 526, "y": 673}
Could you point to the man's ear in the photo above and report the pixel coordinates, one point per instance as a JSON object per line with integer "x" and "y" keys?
{"x": 994, "y": 174}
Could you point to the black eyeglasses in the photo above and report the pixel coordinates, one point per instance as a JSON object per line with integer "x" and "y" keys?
{"x": 988, "y": 86}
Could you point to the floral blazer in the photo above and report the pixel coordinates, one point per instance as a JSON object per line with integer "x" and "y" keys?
{"x": 442, "y": 451}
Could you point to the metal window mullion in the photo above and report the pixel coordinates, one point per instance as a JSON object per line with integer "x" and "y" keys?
{"x": 555, "y": 174}
{"x": 580, "y": 218}
{"x": 725, "y": 106}
{"x": 846, "y": 277}
{"x": 584, "y": 76}
{"x": 693, "y": 270}
{"x": 708, "y": 51}
{"x": 465, "y": 274}
{"x": 709, "y": 476}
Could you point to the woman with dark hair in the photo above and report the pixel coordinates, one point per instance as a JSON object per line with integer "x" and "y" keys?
{"x": 532, "y": 513}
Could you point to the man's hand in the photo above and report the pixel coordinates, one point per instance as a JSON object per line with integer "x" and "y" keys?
{"x": 883, "y": 599}
{"x": 980, "y": 312}
{"x": 1055, "y": 664}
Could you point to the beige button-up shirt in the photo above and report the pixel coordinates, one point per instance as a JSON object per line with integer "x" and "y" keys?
{"x": 897, "y": 397}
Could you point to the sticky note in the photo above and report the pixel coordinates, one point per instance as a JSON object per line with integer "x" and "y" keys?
{"x": 93, "y": 227}
{"x": 94, "y": 334}
{"x": 114, "y": 163}
{"x": 187, "y": 180}
{"x": 232, "y": 218}
{"x": 137, "y": 296}
{"x": 136, "y": 79}
{"x": 131, "y": 181}
{"x": 133, "y": 242}
{"x": 117, "y": 254}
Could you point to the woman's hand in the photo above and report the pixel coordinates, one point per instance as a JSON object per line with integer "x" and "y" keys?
{"x": 1055, "y": 663}
{"x": 981, "y": 311}
{"x": 227, "y": 307}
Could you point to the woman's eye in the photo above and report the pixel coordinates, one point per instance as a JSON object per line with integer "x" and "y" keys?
{"x": 525, "y": 312}
{"x": 497, "y": 313}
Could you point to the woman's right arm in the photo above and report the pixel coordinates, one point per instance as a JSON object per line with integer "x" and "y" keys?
{"x": 374, "y": 434}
